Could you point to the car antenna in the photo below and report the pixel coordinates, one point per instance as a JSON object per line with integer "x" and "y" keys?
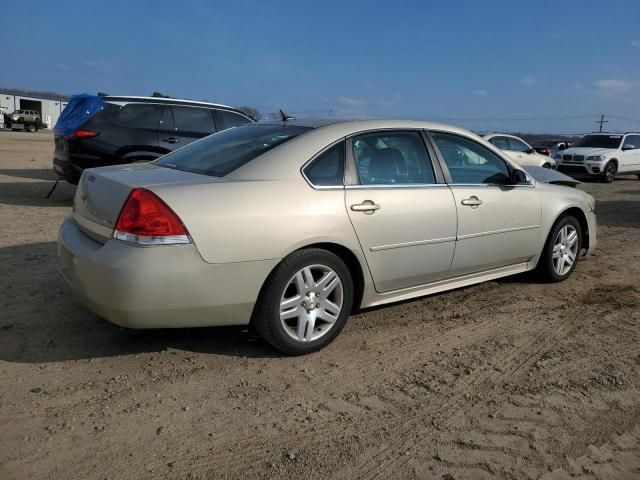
{"x": 286, "y": 117}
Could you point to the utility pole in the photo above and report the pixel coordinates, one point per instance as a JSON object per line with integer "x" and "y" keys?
{"x": 602, "y": 121}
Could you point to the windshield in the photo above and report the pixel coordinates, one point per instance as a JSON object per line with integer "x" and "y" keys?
{"x": 599, "y": 141}
{"x": 220, "y": 154}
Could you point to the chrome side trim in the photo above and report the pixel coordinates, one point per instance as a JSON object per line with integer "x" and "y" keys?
{"x": 495, "y": 232}
{"x": 393, "y": 185}
{"x": 412, "y": 244}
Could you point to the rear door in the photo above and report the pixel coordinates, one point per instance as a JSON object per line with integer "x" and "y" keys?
{"x": 182, "y": 125}
{"x": 404, "y": 219}
{"x": 498, "y": 223}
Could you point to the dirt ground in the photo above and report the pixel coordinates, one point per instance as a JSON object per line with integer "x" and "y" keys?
{"x": 508, "y": 379}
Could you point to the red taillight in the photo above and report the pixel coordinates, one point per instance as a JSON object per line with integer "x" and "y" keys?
{"x": 147, "y": 220}
{"x": 84, "y": 134}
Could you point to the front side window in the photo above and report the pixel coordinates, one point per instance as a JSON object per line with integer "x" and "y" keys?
{"x": 633, "y": 140}
{"x": 501, "y": 142}
{"x": 220, "y": 154}
{"x": 388, "y": 158}
{"x": 231, "y": 119}
{"x": 139, "y": 115}
{"x": 469, "y": 162}
{"x": 518, "y": 145}
{"x": 328, "y": 168}
{"x": 193, "y": 119}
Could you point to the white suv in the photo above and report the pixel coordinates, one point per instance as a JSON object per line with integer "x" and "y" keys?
{"x": 519, "y": 151}
{"x": 602, "y": 155}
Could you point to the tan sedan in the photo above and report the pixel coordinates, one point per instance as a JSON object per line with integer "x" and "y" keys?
{"x": 291, "y": 225}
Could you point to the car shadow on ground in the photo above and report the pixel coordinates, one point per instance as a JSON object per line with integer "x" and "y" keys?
{"x": 34, "y": 173}
{"x": 34, "y": 194}
{"x": 618, "y": 213}
{"x": 43, "y": 322}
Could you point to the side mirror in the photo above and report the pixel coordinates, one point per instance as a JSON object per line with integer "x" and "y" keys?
{"x": 530, "y": 151}
{"x": 518, "y": 177}
{"x": 628, "y": 146}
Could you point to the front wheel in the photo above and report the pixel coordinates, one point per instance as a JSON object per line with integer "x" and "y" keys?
{"x": 546, "y": 165}
{"x": 609, "y": 172}
{"x": 305, "y": 302}
{"x": 560, "y": 255}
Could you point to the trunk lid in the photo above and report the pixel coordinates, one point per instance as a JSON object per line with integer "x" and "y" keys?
{"x": 101, "y": 193}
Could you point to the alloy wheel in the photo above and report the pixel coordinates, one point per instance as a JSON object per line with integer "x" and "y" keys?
{"x": 565, "y": 249}
{"x": 610, "y": 171}
{"x": 311, "y": 303}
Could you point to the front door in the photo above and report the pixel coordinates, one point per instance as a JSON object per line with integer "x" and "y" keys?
{"x": 630, "y": 155}
{"x": 404, "y": 220}
{"x": 498, "y": 224}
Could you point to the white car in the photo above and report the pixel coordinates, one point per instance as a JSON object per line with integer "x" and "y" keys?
{"x": 519, "y": 151}
{"x": 602, "y": 155}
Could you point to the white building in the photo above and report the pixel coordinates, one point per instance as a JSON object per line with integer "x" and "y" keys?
{"x": 49, "y": 109}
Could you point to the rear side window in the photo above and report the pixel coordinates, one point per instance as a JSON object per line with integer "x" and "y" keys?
{"x": 387, "y": 158}
{"x": 193, "y": 119}
{"x": 327, "y": 170}
{"x": 220, "y": 154}
{"x": 139, "y": 115}
{"x": 231, "y": 119}
{"x": 501, "y": 142}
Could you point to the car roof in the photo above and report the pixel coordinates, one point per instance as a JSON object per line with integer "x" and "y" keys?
{"x": 350, "y": 125}
{"x": 120, "y": 98}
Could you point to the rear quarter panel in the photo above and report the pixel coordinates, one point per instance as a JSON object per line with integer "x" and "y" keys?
{"x": 241, "y": 221}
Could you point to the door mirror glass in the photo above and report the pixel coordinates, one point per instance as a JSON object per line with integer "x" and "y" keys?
{"x": 518, "y": 177}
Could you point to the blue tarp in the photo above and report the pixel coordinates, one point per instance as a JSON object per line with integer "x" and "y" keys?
{"x": 80, "y": 108}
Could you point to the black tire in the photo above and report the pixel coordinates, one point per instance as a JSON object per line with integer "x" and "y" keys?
{"x": 609, "y": 172}
{"x": 266, "y": 313}
{"x": 546, "y": 264}
{"x": 546, "y": 165}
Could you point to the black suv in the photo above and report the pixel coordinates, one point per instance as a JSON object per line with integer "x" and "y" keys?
{"x": 134, "y": 129}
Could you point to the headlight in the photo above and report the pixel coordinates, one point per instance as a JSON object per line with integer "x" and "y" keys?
{"x": 592, "y": 203}
{"x": 597, "y": 158}
{"x": 557, "y": 156}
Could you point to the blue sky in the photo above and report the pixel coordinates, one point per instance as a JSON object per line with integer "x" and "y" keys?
{"x": 489, "y": 65}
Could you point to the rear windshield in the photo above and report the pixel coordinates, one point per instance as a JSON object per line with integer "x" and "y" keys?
{"x": 599, "y": 141}
{"x": 220, "y": 154}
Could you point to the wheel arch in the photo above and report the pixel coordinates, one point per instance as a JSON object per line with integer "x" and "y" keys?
{"x": 347, "y": 256}
{"x": 579, "y": 215}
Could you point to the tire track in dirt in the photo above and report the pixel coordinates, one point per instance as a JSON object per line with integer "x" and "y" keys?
{"x": 382, "y": 463}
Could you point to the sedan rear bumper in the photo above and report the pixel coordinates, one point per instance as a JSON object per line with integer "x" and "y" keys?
{"x": 159, "y": 286}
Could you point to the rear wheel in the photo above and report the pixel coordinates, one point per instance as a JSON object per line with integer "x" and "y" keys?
{"x": 609, "y": 172}
{"x": 546, "y": 165}
{"x": 560, "y": 255}
{"x": 305, "y": 302}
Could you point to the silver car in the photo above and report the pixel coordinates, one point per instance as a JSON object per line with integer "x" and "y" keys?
{"x": 290, "y": 226}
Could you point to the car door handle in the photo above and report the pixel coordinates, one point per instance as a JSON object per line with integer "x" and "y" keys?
{"x": 171, "y": 140}
{"x": 473, "y": 202}
{"x": 367, "y": 207}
